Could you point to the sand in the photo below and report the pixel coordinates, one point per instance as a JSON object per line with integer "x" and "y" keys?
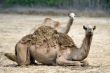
{"x": 14, "y": 26}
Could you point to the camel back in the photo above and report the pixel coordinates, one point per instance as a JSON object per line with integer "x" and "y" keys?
{"x": 49, "y": 35}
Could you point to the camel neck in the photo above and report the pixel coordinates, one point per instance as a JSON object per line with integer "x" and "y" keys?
{"x": 69, "y": 25}
{"x": 85, "y": 47}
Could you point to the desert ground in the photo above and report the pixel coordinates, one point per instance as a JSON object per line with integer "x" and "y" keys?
{"x": 14, "y": 26}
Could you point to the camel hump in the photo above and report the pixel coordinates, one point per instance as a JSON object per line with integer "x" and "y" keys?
{"x": 51, "y": 34}
{"x": 45, "y": 30}
{"x": 45, "y": 34}
{"x": 65, "y": 40}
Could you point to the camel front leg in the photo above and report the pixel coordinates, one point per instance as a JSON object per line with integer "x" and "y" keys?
{"x": 65, "y": 62}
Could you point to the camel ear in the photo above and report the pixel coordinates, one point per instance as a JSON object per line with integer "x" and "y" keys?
{"x": 84, "y": 27}
{"x": 94, "y": 27}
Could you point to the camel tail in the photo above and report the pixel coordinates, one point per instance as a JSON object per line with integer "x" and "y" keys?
{"x": 11, "y": 56}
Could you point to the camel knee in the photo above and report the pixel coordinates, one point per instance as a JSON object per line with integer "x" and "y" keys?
{"x": 59, "y": 61}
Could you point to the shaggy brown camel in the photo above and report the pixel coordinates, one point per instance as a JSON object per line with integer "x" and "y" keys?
{"x": 54, "y": 48}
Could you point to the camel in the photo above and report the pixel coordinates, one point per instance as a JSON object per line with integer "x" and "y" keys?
{"x": 58, "y": 49}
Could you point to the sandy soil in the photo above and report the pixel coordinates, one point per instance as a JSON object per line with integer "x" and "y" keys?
{"x": 13, "y": 27}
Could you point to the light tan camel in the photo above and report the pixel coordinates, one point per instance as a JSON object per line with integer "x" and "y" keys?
{"x": 55, "y": 49}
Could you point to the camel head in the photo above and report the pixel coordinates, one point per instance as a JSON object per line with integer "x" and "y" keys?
{"x": 89, "y": 29}
{"x": 71, "y": 15}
